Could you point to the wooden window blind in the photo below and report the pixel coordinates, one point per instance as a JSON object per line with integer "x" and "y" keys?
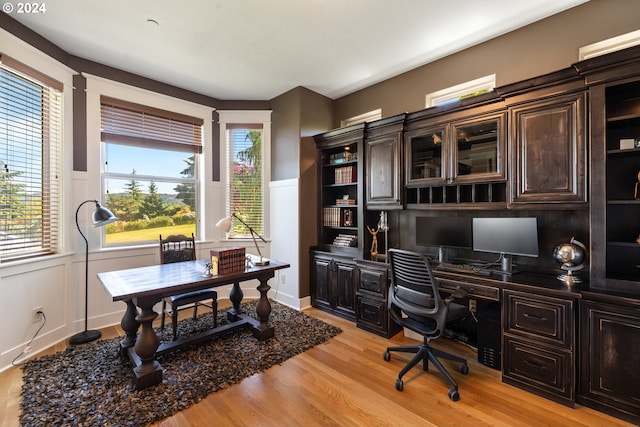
{"x": 127, "y": 123}
{"x": 30, "y": 161}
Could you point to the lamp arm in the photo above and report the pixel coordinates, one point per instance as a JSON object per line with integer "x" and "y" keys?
{"x": 86, "y": 263}
{"x": 253, "y": 234}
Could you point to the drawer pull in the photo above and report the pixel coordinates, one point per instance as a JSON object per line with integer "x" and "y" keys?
{"x": 531, "y": 316}
{"x": 536, "y": 365}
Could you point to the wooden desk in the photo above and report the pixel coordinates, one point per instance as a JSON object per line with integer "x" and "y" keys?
{"x": 146, "y": 286}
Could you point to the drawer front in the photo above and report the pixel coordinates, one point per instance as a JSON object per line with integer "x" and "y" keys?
{"x": 539, "y": 369}
{"x": 374, "y": 281}
{"x": 473, "y": 290}
{"x": 546, "y": 318}
{"x": 372, "y": 315}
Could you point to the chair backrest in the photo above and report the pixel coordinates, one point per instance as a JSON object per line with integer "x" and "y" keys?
{"x": 177, "y": 248}
{"x": 414, "y": 289}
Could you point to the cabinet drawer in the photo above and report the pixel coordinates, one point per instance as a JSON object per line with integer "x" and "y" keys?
{"x": 539, "y": 369}
{"x": 539, "y": 317}
{"x": 473, "y": 290}
{"x": 372, "y": 315}
{"x": 374, "y": 281}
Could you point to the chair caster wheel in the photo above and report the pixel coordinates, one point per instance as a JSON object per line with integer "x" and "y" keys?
{"x": 387, "y": 356}
{"x": 464, "y": 368}
{"x": 454, "y": 395}
{"x": 399, "y": 384}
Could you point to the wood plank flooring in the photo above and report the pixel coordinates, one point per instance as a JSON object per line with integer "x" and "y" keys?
{"x": 346, "y": 382}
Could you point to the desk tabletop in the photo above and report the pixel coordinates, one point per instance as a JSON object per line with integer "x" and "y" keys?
{"x": 175, "y": 278}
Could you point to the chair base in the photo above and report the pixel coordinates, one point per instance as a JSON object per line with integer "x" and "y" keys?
{"x": 425, "y": 353}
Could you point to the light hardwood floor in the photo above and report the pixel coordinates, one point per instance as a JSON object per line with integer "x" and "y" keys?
{"x": 346, "y": 382}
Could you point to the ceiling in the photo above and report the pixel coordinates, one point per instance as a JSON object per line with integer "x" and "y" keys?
{"x": 259, "y": 49}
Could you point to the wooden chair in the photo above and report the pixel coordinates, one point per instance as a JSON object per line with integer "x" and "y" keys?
{"x": 178, "y": 248}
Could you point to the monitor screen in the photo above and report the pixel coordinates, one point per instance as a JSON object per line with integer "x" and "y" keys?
{"x": 513, "y": 236}
{"x": 451, "y": 232}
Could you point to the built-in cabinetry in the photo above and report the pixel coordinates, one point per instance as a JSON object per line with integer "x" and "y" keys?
{"x": 334, "y": 281}
{"x": 383, "y": 164}
{"x": 455, "y": 159}
{"x": 610, "y": 355}
{"x": 548, "y": 150}
{"x": 340, "y": 195}
{"x": 538, "y": 344}
{"x": 372, "y": 288}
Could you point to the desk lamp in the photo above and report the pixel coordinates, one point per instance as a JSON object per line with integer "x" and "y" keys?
{"x": 225, "y": 225}
{"x": 101, "y": 216}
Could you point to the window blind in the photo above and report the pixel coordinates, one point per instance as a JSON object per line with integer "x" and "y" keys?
{"x": 245, "y": 191}
{"x": 127, "y": 123}
{"x": 30, "y": 161}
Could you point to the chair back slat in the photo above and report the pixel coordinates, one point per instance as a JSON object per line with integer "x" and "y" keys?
{"x": 412, "y": 280}
{"x": 177, "y": 248}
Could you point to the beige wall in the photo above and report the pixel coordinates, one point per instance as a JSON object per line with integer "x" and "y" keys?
{"x": 540, "y": 48}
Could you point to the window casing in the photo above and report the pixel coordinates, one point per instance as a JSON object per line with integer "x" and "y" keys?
{"x": 150, "y": 172}
{"x": 30, "y": 162}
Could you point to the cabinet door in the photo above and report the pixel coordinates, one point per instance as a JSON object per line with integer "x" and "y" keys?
{"x": 477, "y": 149}
{"x": 426, "y": 156}
{"x": 548, "y": 150}
{"x": 383, "y": 172}
{"x": 610, "y": 356}
{"x": 345, "y": 289}
{"x": 322, "y": 282}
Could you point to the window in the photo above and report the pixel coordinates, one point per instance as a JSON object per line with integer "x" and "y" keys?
{"x": 613, "y": 44}
{"x": 245, "y": 192}
{"x": 150, "y": 175}
{"x": 361, "y": 118}
{"x": 30, "y": 161}
{"x": 461, "y": 91}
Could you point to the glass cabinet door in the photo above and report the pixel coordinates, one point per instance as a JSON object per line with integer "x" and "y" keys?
{"x": 426, "y": 155}
{"x": 478, "y": 149}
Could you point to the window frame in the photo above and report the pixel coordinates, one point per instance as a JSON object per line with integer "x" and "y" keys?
{"x": 52, "y": 176}
{"x": 236, "y": 118}
{"x": 459, "y": 91}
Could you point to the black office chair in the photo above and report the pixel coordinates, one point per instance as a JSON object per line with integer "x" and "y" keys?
{"x": 178, "y": 248}
{"x": 414, "y": 293}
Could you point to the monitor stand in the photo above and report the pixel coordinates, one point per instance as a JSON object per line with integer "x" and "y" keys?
{"x": 506, "y": 264}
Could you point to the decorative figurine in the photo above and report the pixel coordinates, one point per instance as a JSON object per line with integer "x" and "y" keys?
{"x": 374, "y": 243}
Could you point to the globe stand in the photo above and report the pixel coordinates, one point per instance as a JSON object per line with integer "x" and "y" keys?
{"x": 570, "y": 278}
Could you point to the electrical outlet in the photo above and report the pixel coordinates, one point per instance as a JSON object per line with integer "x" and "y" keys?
{"x": 472, "y": 305}
{"x": 35, "y": 315}
{"x": 283, "y": 278}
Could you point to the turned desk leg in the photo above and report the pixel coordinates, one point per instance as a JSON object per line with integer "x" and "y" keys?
{"x": 235, "y": 296}
{"x": 263, "y": 309}
{"x": 130, "y": 326}
{"x": 149, "y": 371}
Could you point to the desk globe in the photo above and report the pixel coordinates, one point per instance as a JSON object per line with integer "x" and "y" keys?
{"x": 571, "y": 255}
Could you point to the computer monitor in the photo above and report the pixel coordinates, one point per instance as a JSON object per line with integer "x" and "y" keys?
{"x": 443, "y": 232}
{"x": 506, "y": 236}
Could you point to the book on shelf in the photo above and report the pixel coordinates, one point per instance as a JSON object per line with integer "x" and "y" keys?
{"x": 342, "y": 157}
{"x": 347, "y": 202}
{"x": 346, "y": 240}
{"x": 345, "y": 175}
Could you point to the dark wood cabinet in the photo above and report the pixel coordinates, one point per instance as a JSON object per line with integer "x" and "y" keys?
{"x": 372, "y": 289}
{"x": 383, "y": 163}
{"x": 548, "y": 150}
{"x": 539, "y": 344}
{"x": 610, "y": 355}
{"x": 340, "y": 195}
{"x": 456, "y": 160}
{"x": 333, "y": 284}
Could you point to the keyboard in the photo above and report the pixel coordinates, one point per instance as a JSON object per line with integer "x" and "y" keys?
{"x": 463, "y": 268}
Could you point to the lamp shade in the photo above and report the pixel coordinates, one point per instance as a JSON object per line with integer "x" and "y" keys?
{"x": 224, "y": 224}
{"x": 102, "y": 216}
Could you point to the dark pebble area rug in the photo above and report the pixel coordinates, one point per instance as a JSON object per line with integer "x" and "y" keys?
{"x": 91, "y": 385}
